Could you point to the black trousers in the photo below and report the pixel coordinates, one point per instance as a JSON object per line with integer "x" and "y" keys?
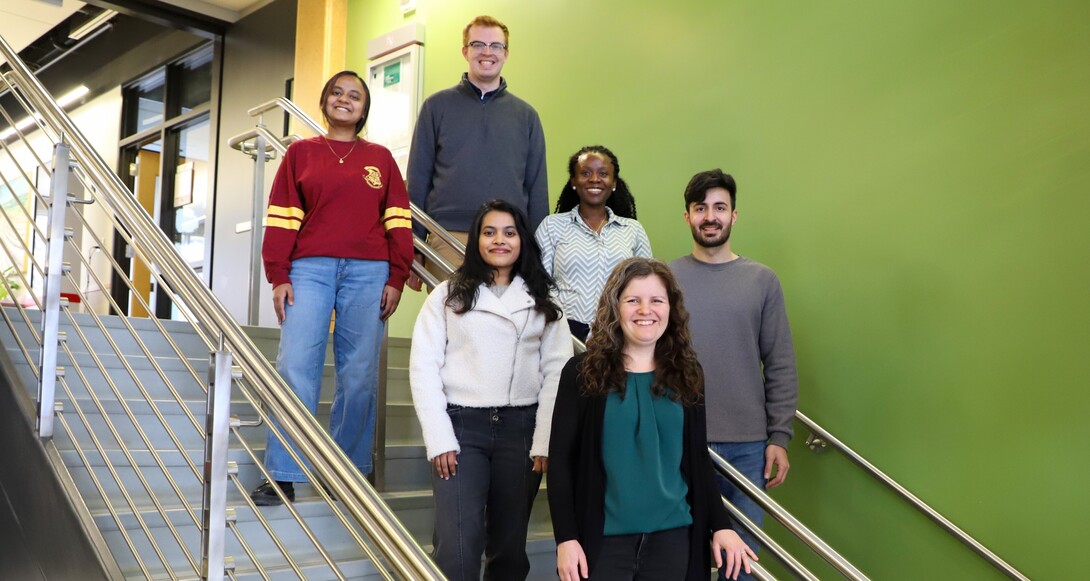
{"x": 658, "y": 556}
{"x": 485, "y": 507}
{"x": 580, "y": 330}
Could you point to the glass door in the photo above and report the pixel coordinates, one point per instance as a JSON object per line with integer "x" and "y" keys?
{"x": 185, "y": 217}
{"x": 141, "y": 173}
{"x": 166, "y": 158}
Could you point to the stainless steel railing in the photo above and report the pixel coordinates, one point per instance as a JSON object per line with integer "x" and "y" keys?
{"x": 261, "y": 139}
{"x": 126, "y": 435}
{"x": 785, "y": 518}
{"x": 820, "y": 438}
{"x": 261, "y": 145}
{"x": 789, "y": 561}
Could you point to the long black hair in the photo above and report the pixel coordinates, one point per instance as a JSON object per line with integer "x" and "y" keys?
{"x": 620, "y": 201}
{"x": 466, "y": 281}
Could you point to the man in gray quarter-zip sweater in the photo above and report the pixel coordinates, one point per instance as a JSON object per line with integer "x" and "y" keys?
{"x": 476, "y": 142}
{"x": 743, "y": 341}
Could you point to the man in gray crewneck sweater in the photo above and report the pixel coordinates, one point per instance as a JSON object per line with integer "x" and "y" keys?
{"x": 740, "y": 332}
{"x": 476, "y": 142}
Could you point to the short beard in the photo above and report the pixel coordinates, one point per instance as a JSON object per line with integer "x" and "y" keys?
{"x": 714, "y": 243}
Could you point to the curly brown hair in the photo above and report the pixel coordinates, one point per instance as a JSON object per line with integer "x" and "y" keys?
{"x": 676, "y": 366}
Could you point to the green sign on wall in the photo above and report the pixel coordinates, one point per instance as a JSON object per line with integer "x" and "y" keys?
{"x": 391, "y": 74}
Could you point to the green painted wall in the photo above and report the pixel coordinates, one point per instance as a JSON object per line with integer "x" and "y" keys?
{"x": 916, "y": 173}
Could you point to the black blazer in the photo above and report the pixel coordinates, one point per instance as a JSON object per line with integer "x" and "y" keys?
{"x": 577, "y": 479}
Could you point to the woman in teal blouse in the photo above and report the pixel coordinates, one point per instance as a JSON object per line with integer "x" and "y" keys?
{"x": 631, "y": 488}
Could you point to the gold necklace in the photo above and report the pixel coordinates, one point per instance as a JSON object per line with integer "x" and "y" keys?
{"x": 339, "y": 158}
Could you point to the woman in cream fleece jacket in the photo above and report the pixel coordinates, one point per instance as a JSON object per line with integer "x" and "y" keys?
{"x": 488, "y": 348}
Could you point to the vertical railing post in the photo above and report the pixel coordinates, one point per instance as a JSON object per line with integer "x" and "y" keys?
{"x": 51, "y": 314}
{"x": 379, "y": 446}
{"x": 256, "y": 229}
{"x": 217, "y": 432}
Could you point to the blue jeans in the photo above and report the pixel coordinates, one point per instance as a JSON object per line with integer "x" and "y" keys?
{"x": 485, "y": 506}
{"x": 749, "y": 459}
{"x": 352, "y": 289}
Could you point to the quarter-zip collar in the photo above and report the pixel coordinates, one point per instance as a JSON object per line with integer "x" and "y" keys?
{"x": 467, "y": 86}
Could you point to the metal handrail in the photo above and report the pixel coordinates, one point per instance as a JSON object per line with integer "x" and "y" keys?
{"x": 365, "y": 506}
{"x": 759, "y": 572}
{"x": 786, "y": 519}
{"x": 824, "y": 434}
{"x": 239, "y": 141}
{"x": 139, "y": 384}
{"x": 60, "y": 203}
{"x": 443, "y": 234}
{"x": 794, "y": 565}
{"x": 288, "y": 107}
{"x": 434, "y": 228}
{"x": 945, "y": 523}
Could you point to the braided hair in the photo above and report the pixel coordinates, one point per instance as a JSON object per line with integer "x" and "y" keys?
{"x": 620, "y": 201}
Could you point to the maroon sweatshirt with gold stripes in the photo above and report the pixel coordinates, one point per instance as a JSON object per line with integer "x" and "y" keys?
{"x": 322, "y": 207}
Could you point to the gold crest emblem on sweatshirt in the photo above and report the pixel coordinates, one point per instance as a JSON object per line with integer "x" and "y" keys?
{"x": 373, "y": 177}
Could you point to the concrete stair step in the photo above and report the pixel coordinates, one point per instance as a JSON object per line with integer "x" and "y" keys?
{"x": 401, "y": 424}
{"x": 413, "y": 510}
{"x": 349, "y": 558}
{"x": 182, "y": 333}
{"x": 408, "y": 474}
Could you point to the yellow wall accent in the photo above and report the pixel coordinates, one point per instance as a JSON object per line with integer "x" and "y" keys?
{"x": 147, "y": 164}
{"x": 320, "y": 32}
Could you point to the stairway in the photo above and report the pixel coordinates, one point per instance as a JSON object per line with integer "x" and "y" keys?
{"x": 172, "y": 523}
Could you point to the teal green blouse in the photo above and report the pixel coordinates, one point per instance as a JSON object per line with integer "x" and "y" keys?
{"x": 641, "y": 452}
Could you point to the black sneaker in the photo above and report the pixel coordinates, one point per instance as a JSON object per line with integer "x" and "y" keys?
{"x": 265, "y": 495}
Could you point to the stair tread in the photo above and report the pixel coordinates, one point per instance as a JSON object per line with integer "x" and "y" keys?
{"x": 408, "y": 473}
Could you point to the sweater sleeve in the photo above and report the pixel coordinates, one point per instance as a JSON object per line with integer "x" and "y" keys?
{"x": 425, "y": 362}
{"x": 537, "y": 180}
{"x": 556, "y": 350}
{"x": 545, "y": 243}
{"x": 778, "y": 357}
{"x": 283, "y": 219}
{"x": 422, "y": 161}
{"x": 564, "y": 455}
{"x": 397, "y": 221}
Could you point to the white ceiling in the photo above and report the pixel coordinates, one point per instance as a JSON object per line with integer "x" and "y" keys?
{"x": 23, "y": 21}
{"x": 227, "y": 10}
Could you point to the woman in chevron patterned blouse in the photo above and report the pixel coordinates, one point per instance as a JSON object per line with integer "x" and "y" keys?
{"x": 593, "y": 229}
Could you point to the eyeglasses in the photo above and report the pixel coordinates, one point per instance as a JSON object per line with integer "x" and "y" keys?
{"x": 495, "y": 46}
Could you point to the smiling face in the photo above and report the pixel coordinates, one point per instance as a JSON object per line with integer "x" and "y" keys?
{"x": 499, "y": 243}
{"x": 485, "y": 64}
{"x": 644, "y": 311}
{"x": 594, "y": 179}
{"x": 345, "y": 102}
{"x": 712, "y": 219}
